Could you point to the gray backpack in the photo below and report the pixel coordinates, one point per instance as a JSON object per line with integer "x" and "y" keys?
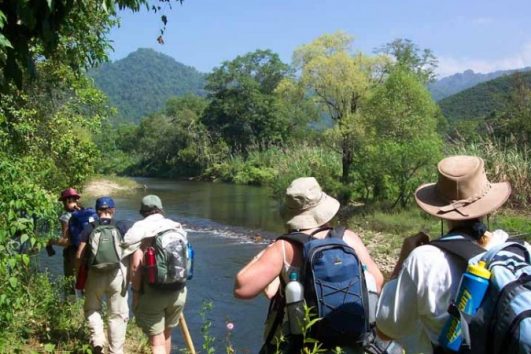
{"x": 171, "y": 254}
{"x": 104, "y": 242}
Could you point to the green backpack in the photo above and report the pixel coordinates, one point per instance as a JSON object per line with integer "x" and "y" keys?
{"x": 104, "y": 243}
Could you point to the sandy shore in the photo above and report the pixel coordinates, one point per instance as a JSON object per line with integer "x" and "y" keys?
{"x": 104, "y": 186}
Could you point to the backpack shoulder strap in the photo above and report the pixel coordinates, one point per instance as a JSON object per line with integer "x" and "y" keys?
{"x": 516, "y": 247}
{"x": 297, "y": 237}
{"x": 337, "y": 232}
{"x": 463, "y": 248}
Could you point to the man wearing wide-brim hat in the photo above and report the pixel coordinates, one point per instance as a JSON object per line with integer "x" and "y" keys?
{"x": 413, "y": 304}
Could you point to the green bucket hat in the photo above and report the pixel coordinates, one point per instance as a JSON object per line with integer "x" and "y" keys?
{"x": 150, "y": 202}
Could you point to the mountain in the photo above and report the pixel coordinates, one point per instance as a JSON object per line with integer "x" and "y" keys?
{"x": 453, "y": 84}
{"x": 141, "y": 83}
{"x": 483, "y": 99}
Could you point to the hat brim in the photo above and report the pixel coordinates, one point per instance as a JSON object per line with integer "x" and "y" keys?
{"x": 314, "y": 217}
{"x": 62, "y": 199}
{"x": 428, "y": 200}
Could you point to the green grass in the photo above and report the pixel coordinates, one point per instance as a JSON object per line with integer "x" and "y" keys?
{"x": 408, "y": 222}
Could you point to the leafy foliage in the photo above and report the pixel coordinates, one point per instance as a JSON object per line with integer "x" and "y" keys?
{"x": 403, "y": 139}
{"x": 244, "y": 109}
{"x": 141, "y": 83}
{"x": 407, "y": 56}
{"x": 339, "y": 82}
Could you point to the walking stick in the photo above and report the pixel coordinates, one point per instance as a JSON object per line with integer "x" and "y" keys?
{"x": 186, "y": 334}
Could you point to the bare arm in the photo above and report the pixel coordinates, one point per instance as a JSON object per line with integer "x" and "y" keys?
{"x": 259, "y": 272}
{"x": 64, "y": 239}
{"x": 135, "y": 271}
{"x": 80, "y": 254}
{"x": 363, "y": 254}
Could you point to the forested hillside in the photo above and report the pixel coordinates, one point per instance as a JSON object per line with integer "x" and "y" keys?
{"x": 484, "y": 99}
{"x": 450, "y": 85}
{"x": 143, "y": 81}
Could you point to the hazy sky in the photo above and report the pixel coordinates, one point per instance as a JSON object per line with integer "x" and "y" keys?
{"x": 481, "y": 35}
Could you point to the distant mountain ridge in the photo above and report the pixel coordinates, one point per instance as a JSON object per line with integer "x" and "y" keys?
{"x": 453, "y": 84}
{"x": 142, "y": 82}
{"x": 483, "y": 99}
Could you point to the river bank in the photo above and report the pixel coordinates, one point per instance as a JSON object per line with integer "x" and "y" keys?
{"x": 110, "y": 185}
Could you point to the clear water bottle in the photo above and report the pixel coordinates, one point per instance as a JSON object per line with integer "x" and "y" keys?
{"x": 474, "y": 285}
{"x": 372, "y": 293}
{"x": 295, "y": 303}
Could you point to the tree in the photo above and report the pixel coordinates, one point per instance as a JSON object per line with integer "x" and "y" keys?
{"x": 50, "y": 125}
{"x": 515, "y": 121}
{"x": 408, "y": 56}
{"x": 339, "y": 82}
{"x": 72, "y": 31}
{"x": 244, "y": 109}
{"x": 401, "y": 121}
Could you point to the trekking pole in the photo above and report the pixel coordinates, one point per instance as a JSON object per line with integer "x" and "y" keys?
{"x": 522, "y": 236}
{"x": 186, "y": 334}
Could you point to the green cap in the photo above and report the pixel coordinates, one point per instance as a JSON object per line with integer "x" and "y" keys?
{"x": 150, "y": 202}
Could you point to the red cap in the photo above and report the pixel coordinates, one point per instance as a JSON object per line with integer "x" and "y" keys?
{"x": 69, "y": 192}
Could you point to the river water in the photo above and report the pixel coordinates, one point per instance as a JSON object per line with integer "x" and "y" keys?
{"x": 223, "y": 222}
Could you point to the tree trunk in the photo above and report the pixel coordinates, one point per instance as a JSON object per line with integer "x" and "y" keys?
{"x": 346, "y": 160}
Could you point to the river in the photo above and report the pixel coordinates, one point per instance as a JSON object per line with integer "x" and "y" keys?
{"x": 222, "y": 222}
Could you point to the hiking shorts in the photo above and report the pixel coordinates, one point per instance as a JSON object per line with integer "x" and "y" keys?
{"x": 159, "y": 309}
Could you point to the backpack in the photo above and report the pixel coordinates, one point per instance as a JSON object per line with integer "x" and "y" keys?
{"x": 335, "y": 289}
{"x": 502, "y": 323}
{"x": 104, "y": 242}
{"x": 78, "y": 221}
{"x": 173, "y": 258}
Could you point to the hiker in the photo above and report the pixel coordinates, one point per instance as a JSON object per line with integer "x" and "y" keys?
{"x": 307, "y": 212}
{"x": 413, "y": 304}
{"x": 157, "y": 304}
{"x": 99, "y": 251}
{"x": 70, "y": 199}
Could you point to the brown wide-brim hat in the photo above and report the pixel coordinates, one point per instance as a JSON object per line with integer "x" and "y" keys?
{"x": 462, "y": 191}
{"x": 306, "y": 206}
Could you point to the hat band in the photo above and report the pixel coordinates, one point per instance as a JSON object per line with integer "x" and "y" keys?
{"x": 457, "y": 205}
{"x": 310, "y": 206}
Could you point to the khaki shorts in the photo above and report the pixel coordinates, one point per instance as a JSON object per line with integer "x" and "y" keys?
{"x": 159, "y": 309}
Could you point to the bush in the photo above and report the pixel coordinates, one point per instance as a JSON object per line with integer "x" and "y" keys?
{"x": 503, "y": 162}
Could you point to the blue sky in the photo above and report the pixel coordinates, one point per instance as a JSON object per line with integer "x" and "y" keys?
{"x": 468, "y": 34}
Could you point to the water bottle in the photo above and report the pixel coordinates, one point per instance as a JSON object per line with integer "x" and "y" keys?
{"x": 472, "y": 289}
{"x": 295, "y": 303}
{"x": 151, "y": 265}
{"x": 372, "y": 292}
{"x": 189, "y": 261}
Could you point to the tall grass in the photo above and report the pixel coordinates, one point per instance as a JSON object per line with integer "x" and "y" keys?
{"x": 277, "y": 167}
{"x": 504, "y": 162}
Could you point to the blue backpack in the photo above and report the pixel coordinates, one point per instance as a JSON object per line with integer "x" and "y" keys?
{"x": 502, "y": 323}
{"x": 78, "y": 221}
{"x": 335, "y": 289}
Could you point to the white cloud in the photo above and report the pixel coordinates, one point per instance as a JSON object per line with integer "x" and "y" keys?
{"x": 451, "y": 65}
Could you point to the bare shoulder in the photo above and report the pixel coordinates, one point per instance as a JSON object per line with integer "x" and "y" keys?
{"x": 351, "y": 237}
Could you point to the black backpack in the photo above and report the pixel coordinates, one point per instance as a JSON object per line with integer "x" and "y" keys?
{"x": 335, "y": 289}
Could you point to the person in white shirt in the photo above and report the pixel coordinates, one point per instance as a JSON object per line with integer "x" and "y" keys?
{"x": 157, "y": 311}
{"x": 413, "y": 305}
